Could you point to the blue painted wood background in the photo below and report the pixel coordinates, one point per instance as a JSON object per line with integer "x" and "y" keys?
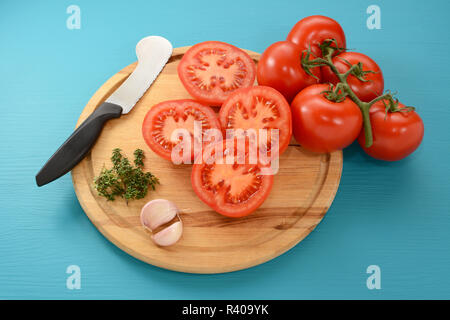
{"x": 395, "y": 215}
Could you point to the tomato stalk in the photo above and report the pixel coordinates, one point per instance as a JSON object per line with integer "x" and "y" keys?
{"x": 343, "y": 86}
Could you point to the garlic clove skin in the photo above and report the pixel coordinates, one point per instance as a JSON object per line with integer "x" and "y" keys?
{"x": 169, "y": 235}
{"x": 157, "y": 212}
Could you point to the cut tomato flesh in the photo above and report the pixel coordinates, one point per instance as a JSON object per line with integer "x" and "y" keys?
{"x": 211, "y": 70}
{"x": 231, "y": 189}
{"x": 258, "y": 108}
{"x": 261, "y": 114}
{"x": 163, "y": 119}
{"x": 236, "y": 183}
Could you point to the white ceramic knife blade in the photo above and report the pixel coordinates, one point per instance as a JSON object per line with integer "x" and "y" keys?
{"x": 153, "y": 53}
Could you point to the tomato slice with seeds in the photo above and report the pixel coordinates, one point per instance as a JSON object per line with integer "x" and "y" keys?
{"x": 233, "y": 189}
{"x": 258, "y": 107}
{"x": 162, "y": 119}
{"x": 211, "y": 70}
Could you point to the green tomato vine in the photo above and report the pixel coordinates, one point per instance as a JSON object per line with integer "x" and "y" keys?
{"x": 342, "y": 90}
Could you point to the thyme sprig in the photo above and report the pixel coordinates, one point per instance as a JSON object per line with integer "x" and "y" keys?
{"x": 125, "y": 180}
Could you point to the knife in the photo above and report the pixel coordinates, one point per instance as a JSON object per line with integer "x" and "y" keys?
{"x": 152, "y": 53}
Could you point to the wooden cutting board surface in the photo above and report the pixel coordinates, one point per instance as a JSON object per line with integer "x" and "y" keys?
{"x": 303, "y": 190}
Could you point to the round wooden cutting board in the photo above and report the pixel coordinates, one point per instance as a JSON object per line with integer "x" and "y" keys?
{"x": 303, "y": 190}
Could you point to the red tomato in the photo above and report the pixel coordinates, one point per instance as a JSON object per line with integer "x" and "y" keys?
{"x": 366, "y": 91}
{"x": 258, "y": 108}
{"x": 395, "y": 134}
{"x": 231, "y": 189}
{"x": 162, "y": 119}
{"x": 313, "y": 30}
{"x": 280, "y": 67}
{"x": 321, "y": 125}
{"x": 211, "y": 70}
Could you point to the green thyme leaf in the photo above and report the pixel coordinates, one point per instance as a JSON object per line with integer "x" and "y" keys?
{"x": 125, "y": 180}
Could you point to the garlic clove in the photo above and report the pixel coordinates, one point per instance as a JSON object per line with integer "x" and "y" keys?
{"x": 169, "y": 235}
{"x": 157, "y": 212}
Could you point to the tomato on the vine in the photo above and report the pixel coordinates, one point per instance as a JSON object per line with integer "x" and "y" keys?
{"x": 321, "y": 125}
{"x": 395, "y": 134}
{"x": 312, "y": 31}
{"x": 211, "y": 70}
{"x": 364, "y": 90}
{"x": 280, "y": 68}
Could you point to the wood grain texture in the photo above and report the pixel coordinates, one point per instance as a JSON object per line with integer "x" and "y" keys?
{"x": 303, "y": 190}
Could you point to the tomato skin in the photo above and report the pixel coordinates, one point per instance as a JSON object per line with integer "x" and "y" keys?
{"x": 216, "y": 197}
{"x": 395, "y": 134}
{"x": 246, "y": 96}
{"x": 365, "y": 91}
{"x": 148, "y": 125}
{"x": 280, "y": 68}
{"x": 313, "y": 30}
{"x": 321, "y": 125}
{"x": 214, "y": 92}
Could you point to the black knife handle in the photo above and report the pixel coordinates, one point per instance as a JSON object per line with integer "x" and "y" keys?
{"x": 78, "y": 144}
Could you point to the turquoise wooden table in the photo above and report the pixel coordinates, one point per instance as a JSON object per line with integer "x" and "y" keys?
{"x": 391, "y": 215}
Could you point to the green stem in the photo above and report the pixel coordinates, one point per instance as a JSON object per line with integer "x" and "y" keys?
{"x": 367, "y": 125}
{"x": 349, "y": 71}
{"x": 386, "y": 96}
{"x": 363, "y": 106}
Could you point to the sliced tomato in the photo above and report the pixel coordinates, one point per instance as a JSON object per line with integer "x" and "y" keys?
{"x": 257, "y": 108}
{"x": 232, "y": 188}
{"x": 211, "y": 70}
{"x": 164, "y": 118}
